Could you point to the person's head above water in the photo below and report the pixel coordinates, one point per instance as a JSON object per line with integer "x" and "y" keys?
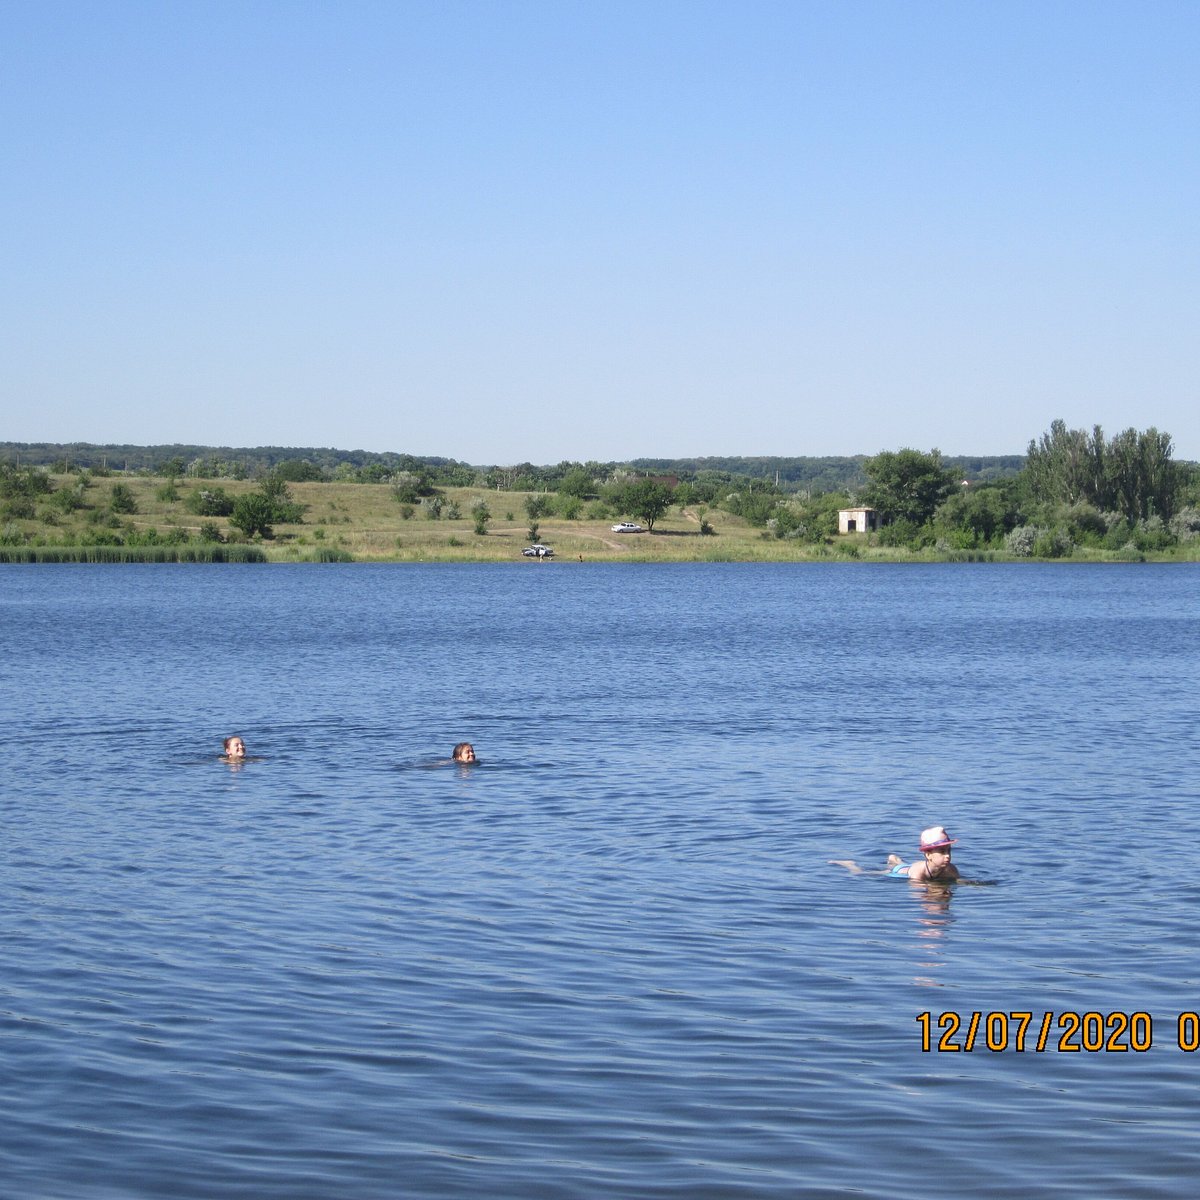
{"x": 235, "y": 747}
{"x": 935, "y": 845}
{"x": 464, "y": 752}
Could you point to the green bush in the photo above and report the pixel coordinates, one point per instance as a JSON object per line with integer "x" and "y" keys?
{"x": 578, "y": 483}
{"x": 209, "y": 502}
{"x": 905, "y": 533}
{"x": 481, "y": 515}
{"x": 67, "y": 499}
{"x": 1153, "y": 534}
{"x": 1019, "y": 542}
{"x": 1119, "y": 534}
{"x": 408, "y": 487}
{"x": 122, "y": 500}
{"x": 23, "y": 481}
{"x": 756, "y": 508}
{"x": 955, "y": 540}
{"x": 18, "y": 508}
{"x": 298, "y": 470}
{"x": 1053, "y": 543}
{"x": 1185, "y": 524}
{"x": 253, "y": 514}
{"x": 141, "y": 537}
{"x": 100, "y": 537}
{"x": 284, "y": 510}
{"x": 1085, "y": 523}
{"x": 986, "y": 513}
{"x": 536, "y": 507}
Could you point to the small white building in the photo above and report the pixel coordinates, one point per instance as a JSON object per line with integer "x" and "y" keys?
{"x": 857, "y": 520}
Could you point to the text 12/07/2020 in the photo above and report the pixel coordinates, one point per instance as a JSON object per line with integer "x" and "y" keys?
{"x": 1041, "y": 1032}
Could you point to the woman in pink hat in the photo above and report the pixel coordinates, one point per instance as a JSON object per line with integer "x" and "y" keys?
{"x": 937, "y": 867}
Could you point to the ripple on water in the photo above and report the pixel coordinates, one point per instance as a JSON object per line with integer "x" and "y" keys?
{"x": 612, "y": 958}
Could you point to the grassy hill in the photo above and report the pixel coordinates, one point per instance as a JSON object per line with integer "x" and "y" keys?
{"x": 103, "y": 516}
{"x": 366, "y": 523}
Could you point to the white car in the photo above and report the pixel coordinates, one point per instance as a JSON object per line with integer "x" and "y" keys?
{"x": 628, "y": 527}
{"x": 537, "y": 550}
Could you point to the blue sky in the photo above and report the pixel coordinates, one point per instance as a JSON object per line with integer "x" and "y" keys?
{"x": 511, "y": 230}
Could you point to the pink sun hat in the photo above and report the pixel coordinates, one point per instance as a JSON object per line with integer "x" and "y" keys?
{"x": 935, "y": 838}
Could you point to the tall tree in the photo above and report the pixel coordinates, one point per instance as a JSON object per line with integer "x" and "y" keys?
{"x": 1132, "y": 474}
{"x": 1068, "y": 465}
{"x": 1145, "y": 481}
{"x": 907, "y": 485}
{"x": 646, "y": 499}
{"x": 253, "y": 513}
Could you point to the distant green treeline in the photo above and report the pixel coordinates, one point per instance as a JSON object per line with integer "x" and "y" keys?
{"x": 831, "y": 473}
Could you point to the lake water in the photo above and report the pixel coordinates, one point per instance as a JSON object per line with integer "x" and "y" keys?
{"x": 611, "y": 959}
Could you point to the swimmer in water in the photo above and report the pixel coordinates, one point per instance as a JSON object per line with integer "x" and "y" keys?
{"x": 235, "y": 749}
{"x": 936, "y": 867}
{"x": 464, "y": 752}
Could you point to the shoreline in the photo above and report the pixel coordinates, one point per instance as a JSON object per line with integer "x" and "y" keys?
{"x": 252, "y": 555}
{"x": 365, "y": 523}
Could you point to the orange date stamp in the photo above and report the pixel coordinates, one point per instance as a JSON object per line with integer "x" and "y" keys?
{"x": 1066, "y": 1032}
